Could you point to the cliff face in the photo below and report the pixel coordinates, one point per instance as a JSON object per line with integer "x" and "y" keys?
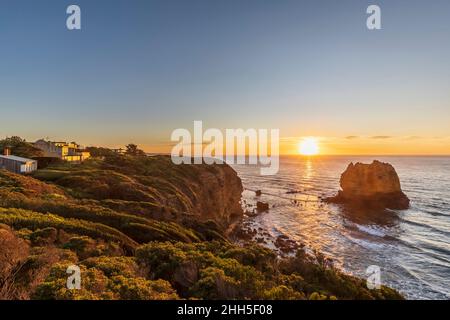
{"x": 155, "y": 187}
{"x": 128, "y": 200}
{"x": 375, "y": 184}
{"x": 219, "y": 195}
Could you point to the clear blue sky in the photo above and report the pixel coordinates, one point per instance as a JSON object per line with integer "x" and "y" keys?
{"x": 139, "y": 69}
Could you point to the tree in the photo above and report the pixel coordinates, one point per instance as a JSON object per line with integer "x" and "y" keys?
{"x": 20, "y": 147}
{"x": 133, "y": 150}
{"x": 100, "y": 152}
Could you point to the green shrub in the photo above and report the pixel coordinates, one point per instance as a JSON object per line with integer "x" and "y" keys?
{"x": 215, "y": 284}
{"x": 18, "y": 218}
{"x": 113, "y": 266}
{"x": 283, "y": 292}
{"x": 95, "y": 285}
{"x": 141, "y": 289}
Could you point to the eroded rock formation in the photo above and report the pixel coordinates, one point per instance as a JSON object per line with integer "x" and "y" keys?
{"x": 218, "y": 194}
{"x": 375, "y": 185}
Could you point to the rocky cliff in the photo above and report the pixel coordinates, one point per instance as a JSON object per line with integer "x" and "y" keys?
{"x": 154, "y": 187}
{"x": 219, "y": 195}
{"x": 376, "y": 184}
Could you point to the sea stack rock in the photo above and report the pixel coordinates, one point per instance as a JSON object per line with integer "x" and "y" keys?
{"x": 371, "y": 185}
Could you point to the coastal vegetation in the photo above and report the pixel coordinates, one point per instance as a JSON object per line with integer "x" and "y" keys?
{"x": 20, "y": 147}
{"x": 140, "y": 227}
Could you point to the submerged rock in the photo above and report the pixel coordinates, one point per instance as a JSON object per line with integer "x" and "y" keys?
{"x": 285, "y": 245}
{"x": 373, "y": 185}
{"x": 262, "y": 206}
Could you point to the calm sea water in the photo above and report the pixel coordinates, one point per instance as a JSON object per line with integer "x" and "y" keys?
{"x": 412, "y": 247}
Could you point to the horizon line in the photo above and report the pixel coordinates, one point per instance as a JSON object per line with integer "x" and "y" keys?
{"x": 330, "y": 155}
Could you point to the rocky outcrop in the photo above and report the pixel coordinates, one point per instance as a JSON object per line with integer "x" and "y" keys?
{"x": 186, "y": 275}
{"x": 155, "y": 187}
{"x": 219, "y": 194}
{"x": 374, "y": 185}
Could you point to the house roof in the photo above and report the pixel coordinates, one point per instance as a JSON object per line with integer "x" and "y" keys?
{"x": 18, "y": 159}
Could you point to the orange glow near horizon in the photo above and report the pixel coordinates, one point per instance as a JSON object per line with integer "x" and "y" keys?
{"x": 406, "y": 145}
{"x": 368, "y": 145}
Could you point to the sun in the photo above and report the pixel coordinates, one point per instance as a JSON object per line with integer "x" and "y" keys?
{"x": 308, "y": 147}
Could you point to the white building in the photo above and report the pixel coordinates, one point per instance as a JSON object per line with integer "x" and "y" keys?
{"x": 17, "y": 164}
{"x": 71, "y": 152}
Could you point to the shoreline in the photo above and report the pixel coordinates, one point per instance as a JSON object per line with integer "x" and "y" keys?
{"x": 356, "y": 239}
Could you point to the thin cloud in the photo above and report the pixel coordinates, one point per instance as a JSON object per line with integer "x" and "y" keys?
{"x": 381, "y": 137}
{"x": 413, "y": 138}
{"x": 351, "y": 137}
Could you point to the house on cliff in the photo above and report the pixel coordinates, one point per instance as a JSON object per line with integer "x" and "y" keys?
{"x": 71, "y": 152}
{"x": 16, "y": 164}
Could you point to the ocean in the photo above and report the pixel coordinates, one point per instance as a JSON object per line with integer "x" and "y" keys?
{"x": 411, "y": 247}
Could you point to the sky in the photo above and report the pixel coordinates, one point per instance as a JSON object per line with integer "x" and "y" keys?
{"x": 137, "y": 70}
